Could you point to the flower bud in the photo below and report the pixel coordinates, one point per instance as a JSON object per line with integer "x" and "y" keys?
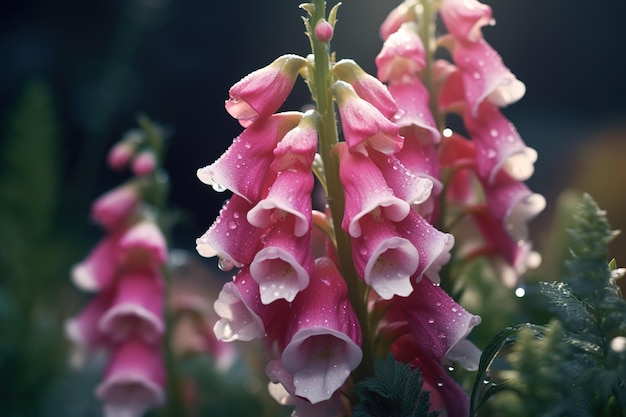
{"x": 323, "y": 31}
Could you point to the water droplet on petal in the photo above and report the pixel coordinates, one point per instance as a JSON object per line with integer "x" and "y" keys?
{"x": 225, "y": 264}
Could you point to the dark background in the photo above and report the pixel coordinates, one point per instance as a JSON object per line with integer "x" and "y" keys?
{"x": 107, "y": 60}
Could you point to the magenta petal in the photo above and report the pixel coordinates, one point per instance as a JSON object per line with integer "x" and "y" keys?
{"x": 133, "y": 381}
{"x": 464, "y": 19}
{"x": 114, "y": 208}
{"x": 402, "y": 54}
{"x": 143, "y": 244}
{"x": 404, "y": 12}
{"x": 245, "y": 163}
{"x": 408, "y": 185}
{"x": 414, "y": 106}
{"x": 485, "y": 76}
{"x": 231, "y": 237}
{"x": 362, "y": 124}
{"x": 383, "y": 259}
{"x": 262, "y": 92}
{"x": 513, "y": 204}
{"x": 83, "y": 329}
{"x": 432, "y": 245}
{"x": 368, "y": 87}
{"x": 136, "y": 309}
{"x": 324, "y": 336}
{"x": 366, "y": 191}
{"x": 435, "y": 319}
{"x": 97, "y": 271}
{"x": 498, "y": 145}
{"x": 298, "y": 146}
{"x": 289, "y": 194}
{"x": 284, "y": 265}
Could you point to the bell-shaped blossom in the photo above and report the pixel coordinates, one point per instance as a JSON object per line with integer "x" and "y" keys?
{"x": 458, "y": 154}
{"x": 414, "y": 107}
{"x": 259, "y": 94}
{"x": 324, "y": 336}
{"x": 368, "y": 87}
{"x": 485, "y": 77}
{"x": 83, "y": 329}
{"x": 245, "y": 163}
{"x": 98, "y": 270}
{"x": 290, "y": 194}
{"x": 242, "y": 314}
{"x": 365, "y": 191}
{"x": 137, "y": 308}
{"x": 134, "y": 380}
{"x": 432, "y": 245}
{"x": 384, "y": 260}
{"x": 363, "y": 125}
{"x": 513, "y": 205}
{"x": 448, "y": 79}
{"x": 231, "y": 237}
{"x": 402, "y": 54}
{"x": 439, "y": 325}
{"x": 498, "y": 145}
{"x": 412, "y": 188}
{"x": 404, "y": 12}
{"x": 143, "y": 244}
{"x": 515, "y": 258}
{"x": 284, "y": 264}
{"x": 297, "y": 148}
{"x": 465, "y": 19}
{"x": 282, "y": 389}
{"x": 114, "y": 208}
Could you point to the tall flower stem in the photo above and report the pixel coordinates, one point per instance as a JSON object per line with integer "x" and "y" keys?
{"x": 328, "y": 137}
{"x": 157, "y": 196}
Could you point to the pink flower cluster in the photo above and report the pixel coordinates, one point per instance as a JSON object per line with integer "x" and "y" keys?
{"x": 125, "y": 318}
{"x": 485, "y": 172}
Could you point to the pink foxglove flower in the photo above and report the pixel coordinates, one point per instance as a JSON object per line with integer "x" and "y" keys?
{"x": 262, "y": 92}
{"x": 363, "y": 125}
{"x": 113, "y": 209}
{"x": 98, "y": 270}
{"x": 290, "y": 194}
{"x": 384, "y": 260}
{"x": 414, "y": 107}
{"x": 143, "y": 244}
{"x": 136, "y": 308}
{"x": 498, "y": 145}
{"x": 284, "y": 264}
{"x": 404, "y": 12}
{"x": 513, "y": 205}
{"x": 368, "y": 87}
{"x": 83, "y": 329}
{"x": 366, "y": 191}
{"x": 485, "y": 77}
{"x": 298, "y": 146}
{"x": 231, "y": 237}
{"x": 402, "y": 54}
{"x": 465, "y": 19}
{"x": 324, "y": 336}
{"x": 134, "y": 380}
{"x": 243, "y": 166}
{"x": 432, "y": 245}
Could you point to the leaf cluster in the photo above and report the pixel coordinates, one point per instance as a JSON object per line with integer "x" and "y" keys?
{"x": 394, "y": 391}
{"x": 576, "y": 364}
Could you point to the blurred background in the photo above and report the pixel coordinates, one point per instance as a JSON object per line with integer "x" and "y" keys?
{"x": 93, "y": 67}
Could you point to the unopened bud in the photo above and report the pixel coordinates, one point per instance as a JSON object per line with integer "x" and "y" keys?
{"x": 144, "y": 163}
{"x": 323, "y": 31}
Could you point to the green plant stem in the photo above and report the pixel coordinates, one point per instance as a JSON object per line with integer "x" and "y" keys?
{"x": 328, "y": 137}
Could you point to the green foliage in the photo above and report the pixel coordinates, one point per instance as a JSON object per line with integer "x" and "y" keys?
{"x": 395, "y": 391}
{"x": 575, "y": 365}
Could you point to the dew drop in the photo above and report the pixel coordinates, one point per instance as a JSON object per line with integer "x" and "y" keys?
{"x": 493, "y": 133}
{"x": 225, "y": 265}
{"x": 431, "y": 321}
{"x": 218, "y": 187}
{"x": 232, "y": 224}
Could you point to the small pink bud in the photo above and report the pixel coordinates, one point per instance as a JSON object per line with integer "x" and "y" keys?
{"x": 120, "y": 155}
{"x": 144, "y": 163}
{"x": 323, "y": 31}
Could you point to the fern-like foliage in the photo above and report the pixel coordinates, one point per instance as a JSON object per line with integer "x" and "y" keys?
{"x": 394, "y": 391}
{"x": 576, "y": 364}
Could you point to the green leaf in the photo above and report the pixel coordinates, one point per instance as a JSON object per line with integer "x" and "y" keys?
{"x": 394, "y": 391}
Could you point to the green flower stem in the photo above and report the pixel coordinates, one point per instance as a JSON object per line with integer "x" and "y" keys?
{"x": 328, "y": 137}
{"x": 426, "y": 30}
{"x": 157, "y": 195}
